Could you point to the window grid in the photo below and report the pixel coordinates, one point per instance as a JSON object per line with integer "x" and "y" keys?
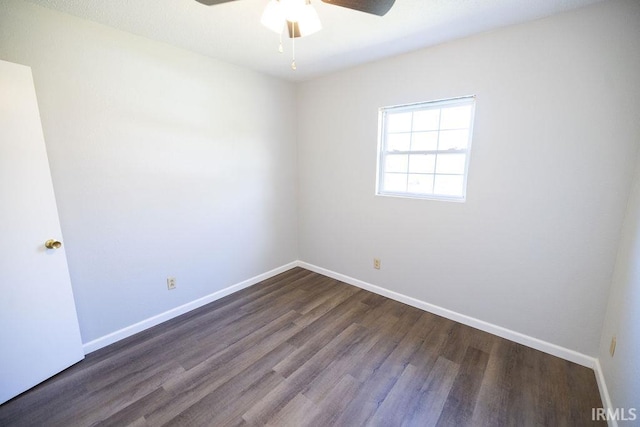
{"x": 429, "y": 190}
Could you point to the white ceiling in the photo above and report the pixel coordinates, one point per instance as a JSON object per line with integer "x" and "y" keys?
{"x": 232, "y": 32}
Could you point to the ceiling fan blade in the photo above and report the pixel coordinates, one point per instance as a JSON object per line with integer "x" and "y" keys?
{"x": 212, "y": 2}
{"x": 375, "y": 7}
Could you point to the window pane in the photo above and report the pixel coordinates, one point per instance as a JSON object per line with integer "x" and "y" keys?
{"x": 422, "y": 163}
{"x": 420, "y": 184}
{"x": 448, "y": 185}
{"x": 453, "y": 139}
{"x": 396, "y": 182}
{"x": 398, "y": 141}
{"x": 396, "y": 163}
{"x": 399, "y": 122}
{"x": 424, "y": 141}
{"x": 456, "y": 117}
{"x": 425, "y": 147}
{"x": 426, "y": 120}
{"x": 450, "y": 163}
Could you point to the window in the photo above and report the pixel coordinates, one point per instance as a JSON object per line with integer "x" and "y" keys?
{"x": 424, "y": 149}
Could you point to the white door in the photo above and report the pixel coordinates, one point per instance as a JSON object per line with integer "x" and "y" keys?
{"x": 39, "y": 333}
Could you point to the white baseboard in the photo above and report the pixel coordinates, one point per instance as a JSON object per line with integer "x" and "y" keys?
{"x": 604, "y": 392}
{"x": 518, "y": 337}
{"x": 104, "y": 341}
{"x": 553, "y": 349}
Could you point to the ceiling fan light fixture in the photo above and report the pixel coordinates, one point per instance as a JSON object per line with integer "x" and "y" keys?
{"x": 301, "y": 19}
{"x": 301, "y": 12}
{"x": 273, "y": 16}
{"x": 308, "y": 20}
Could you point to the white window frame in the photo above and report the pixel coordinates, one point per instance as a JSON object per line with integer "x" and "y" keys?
{"x": 382, "y": 150}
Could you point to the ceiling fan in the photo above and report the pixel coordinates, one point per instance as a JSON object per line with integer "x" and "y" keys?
{"x": 375, "y": 7}
{"x": 301, "y": 19}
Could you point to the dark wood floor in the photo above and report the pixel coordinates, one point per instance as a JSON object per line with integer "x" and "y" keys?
{"x": 303, "y": 349}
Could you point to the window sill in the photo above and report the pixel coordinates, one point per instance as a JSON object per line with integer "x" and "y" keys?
{"x": 424, "y": 197}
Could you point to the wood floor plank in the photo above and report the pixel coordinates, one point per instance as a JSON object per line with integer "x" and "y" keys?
{"x": 491, "y": 405}
{"x": 459, "y": 406}
{"x": 313, "y": 311}
{"x": 304, "y": 349}
{"x": 321, "y": 291}
{"x": 335, "y": 402}
{"x": 433, "y": 394}
{"x": 241, "y": 328}
{"x": 342, "y": 364}
{"x": 382, "y": 375}
{"x": 319, "y": 361}
{"x": 338, "y": 318}
{"x": 219, "y": 404}
{"x": 295, "y": 413}
{"x": 101, "y": 405}
{"x": 400, "y": 398}
{"x": 205, "y": 378}
{"x": 332, "y": 324}
{"x": 131, "y": 414}
{"x": 271, "y": 404}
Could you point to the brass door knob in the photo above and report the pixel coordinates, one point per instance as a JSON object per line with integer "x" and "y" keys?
{"x": 52, "y": 244}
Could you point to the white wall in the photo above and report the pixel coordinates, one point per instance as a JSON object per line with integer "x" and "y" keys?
{"x": 169, "y": 163}
{"x": 556, "y": 134}
{"x": 164, "y": 163}
{"x": 622, "y": 372}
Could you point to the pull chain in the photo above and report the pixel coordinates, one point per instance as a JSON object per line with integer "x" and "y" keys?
{"x": 280, "y": 48}
{"x": 293, "y": 49}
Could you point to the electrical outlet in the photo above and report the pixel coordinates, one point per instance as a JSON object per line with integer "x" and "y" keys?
{"x": 171, "y": 283}
{"x": 612, "y": 347}
{"x": 376, "y": 263}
